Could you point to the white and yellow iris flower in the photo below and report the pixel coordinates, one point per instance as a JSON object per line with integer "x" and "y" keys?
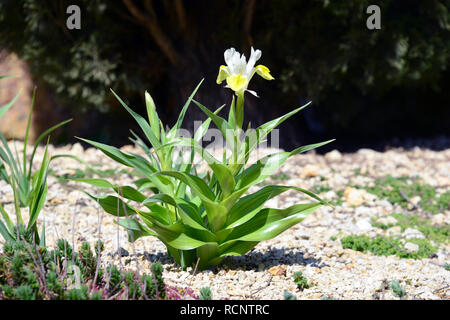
{"x": 238, "y": 72}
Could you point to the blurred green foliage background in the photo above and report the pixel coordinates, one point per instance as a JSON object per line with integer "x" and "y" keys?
{"x": 366, "y": 85}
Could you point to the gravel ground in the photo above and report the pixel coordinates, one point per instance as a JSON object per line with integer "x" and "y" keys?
{"x": 266, "y": 271}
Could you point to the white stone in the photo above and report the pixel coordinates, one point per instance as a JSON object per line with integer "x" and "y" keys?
{"x": 411, "y": 247}
{"x": 364, "y": 225}
{"x": 413, "y": 234}
{"x": 438, "y": 219}
{"x": 333, "y": 156}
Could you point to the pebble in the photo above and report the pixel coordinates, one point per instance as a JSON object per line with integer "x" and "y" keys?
{"x": 388, "y": 220}
{"x": 413, "y": 234}
{"x": 411, "y": 247}
{"x": 333, "y": 156}
{"x": 393, "y": 231}
{"x": 438, "y": 219}
{"x": 310, "y": 171}
{"x": 364, "y": 225}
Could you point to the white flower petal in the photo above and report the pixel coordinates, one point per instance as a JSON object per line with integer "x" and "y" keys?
{"x": 253, "y": 93}
{"x": 255, "y": 55}
{"x": 229, "y": 53}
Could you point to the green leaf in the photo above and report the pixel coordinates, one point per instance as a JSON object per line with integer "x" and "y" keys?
{"x": 236, "y": 248}
{"x": 42, "y": 242}
{"x": 268, "y": 165}
{"x": 173, "y": 132}
{"x": 249, "y": 205}
{"x": 25, "y": 142}
{"x": 181, "y": 241}
{"x": 189, "y": 212}
{"x": 39, "y": 190}
{"x": 259, "y": 134}
{"x": 270, "y": 222}
{"x": 201, "y": 131}
{"x": 224, "y": 176}
{"x": 113, "y": 205}
{"x": 141, "y": 122}
{"x": 39, "y": 140}
{"x": 220, "y": 122}
{"x": 4, "y": 232}
{"x": 135, "y": 229}
{"x": 215, "y": 211}
{"x": 101, "y": 183}
{"x": 134, "y": 161}
{"x": 152, "y": 115}
{"x": 6, "y": 107}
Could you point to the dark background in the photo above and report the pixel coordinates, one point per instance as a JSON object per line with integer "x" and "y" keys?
{"x": 370, "y": 88}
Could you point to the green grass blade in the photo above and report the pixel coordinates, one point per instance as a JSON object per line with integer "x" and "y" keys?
{"x": 141, "y": 122}
{"x": 6, "y": 107}
{"x": 27, "y": 132}
{"x": 40, "y": 138}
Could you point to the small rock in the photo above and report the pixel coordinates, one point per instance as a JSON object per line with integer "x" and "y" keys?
{"x": 333, "y": 156}
{"x": 411, "y": 247}
{"x": 413, "y": 234}
{"x": 123, "y": 252}
{"x": 415, "y": 200}
{"x": 355, "y": 197}
{"x": 73, "y": 197}
{"x": 438, "y": 219}
{"x": 310, "y": 171}
{"x": 387, "y": 221}
{"x": 56, "y": 201}
{"x": 394, "y": 231}
{"x": 277, "y": 270}
{"x": 385, "y": 204}
{"x": 77, "y": 149}
{"x": 364, "y": 211}
{"x": 364, "y": 225}
{"x": 302, "y": 234}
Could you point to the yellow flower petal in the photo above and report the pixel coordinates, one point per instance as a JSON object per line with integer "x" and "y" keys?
{"x": 223, "y": 74}
{"x": 237, "y": 82}
{"x": 264, "y": 72}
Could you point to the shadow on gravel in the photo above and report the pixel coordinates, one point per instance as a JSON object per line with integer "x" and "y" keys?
{"x": 256, "y": 260}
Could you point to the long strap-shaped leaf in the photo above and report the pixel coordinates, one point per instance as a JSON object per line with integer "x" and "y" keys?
{"x": 6, "y": 107}
{"x": 215, "y": 211}
{"x": 268, "y": 224}
{"x": 268, "y": 165}
{"x": 142, "y": 123}
{"x": 39, "y": 190}
{"x": 39, "y": 140}
{"x": 173, "y": 132}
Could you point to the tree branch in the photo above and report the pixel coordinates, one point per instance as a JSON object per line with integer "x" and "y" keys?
{"x": 152, "y": 26}
{"x": 248, "y": 20}
{"x": 181, "y": 14}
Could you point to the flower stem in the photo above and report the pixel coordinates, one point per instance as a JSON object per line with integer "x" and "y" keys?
{"x": 240, "y": 110}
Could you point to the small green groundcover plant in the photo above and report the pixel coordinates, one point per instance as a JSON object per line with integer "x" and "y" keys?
{"x": 30, "y": 272}
{"x": 203, "y": 216}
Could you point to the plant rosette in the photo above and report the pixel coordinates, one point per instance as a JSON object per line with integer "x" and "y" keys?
{"x": 203, "y": 217}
